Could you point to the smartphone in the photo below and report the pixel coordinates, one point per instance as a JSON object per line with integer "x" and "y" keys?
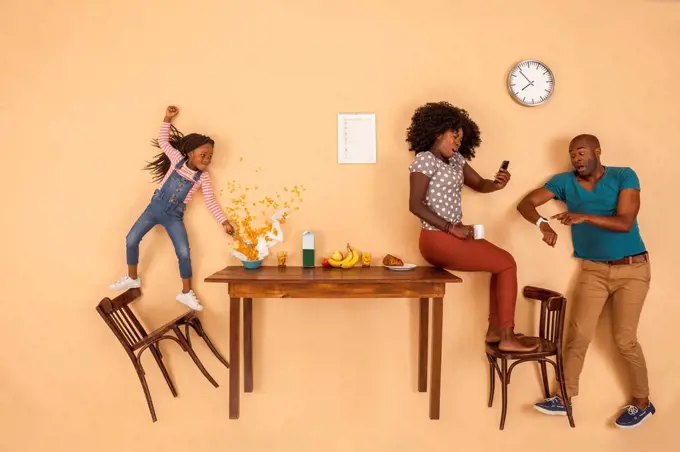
{"x": 505, "y": 164}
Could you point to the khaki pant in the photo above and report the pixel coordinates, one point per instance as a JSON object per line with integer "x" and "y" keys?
{"x": 626, "y": 287}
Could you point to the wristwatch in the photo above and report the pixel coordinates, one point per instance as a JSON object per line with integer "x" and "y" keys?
{"x": 541, "y": 220}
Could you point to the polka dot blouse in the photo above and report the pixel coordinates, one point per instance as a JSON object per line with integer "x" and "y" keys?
{"x": 446, "y": 184}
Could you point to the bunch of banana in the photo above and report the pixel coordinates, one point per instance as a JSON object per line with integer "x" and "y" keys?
{"x": 349, "y": 261}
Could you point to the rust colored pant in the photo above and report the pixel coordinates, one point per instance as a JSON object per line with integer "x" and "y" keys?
{"x": 443, "y": 250}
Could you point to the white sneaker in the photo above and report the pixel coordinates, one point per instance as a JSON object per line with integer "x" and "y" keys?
{"x": 190, "y": 300}
{"x": 126, "y": 283}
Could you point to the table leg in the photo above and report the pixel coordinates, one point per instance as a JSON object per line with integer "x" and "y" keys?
{"x": 436, "y": 372}
{"x": 248, "y": 345}
{"x": 423, "y": 333}
{"x": 234, "y": 357}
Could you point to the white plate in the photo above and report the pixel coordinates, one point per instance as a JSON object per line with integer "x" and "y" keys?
{"x": 401, "y": 267}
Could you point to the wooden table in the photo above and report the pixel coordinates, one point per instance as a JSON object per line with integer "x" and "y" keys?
{"x": 425, "y": 283}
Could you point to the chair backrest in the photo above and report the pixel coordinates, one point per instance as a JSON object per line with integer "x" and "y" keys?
{"x": 119, "y": 317}
{"x": 553, "y": 313}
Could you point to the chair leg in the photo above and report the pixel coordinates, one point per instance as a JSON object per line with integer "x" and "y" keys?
{"x": 145, "y": 387}
{"x": 563, "y": 389}
{"x": 492, "y": 378}
{"x": 504, "y": 382}
{"x": 198, "y": 327}
{"x": 186, "y": 331}
{"x": 159, "y": 360}
{"x": 544, "y": 375}
{"x": 191, "y": 353}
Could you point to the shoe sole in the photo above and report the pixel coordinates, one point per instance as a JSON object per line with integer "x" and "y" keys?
{"x": 133, "y": 286}
{"x": 199, "y": 308}
{"x": 549, "y": 412}
{"x": 628, "y": 427}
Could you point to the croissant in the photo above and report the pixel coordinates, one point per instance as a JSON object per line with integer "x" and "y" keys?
{"x": 392, "y": 261}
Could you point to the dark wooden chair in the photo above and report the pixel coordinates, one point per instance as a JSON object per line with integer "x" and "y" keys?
{"x": 550, "y": 331}
{"x": 135, "y": 340}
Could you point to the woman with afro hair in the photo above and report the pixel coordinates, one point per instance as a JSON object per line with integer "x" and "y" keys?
{"x": 444, "y": 138}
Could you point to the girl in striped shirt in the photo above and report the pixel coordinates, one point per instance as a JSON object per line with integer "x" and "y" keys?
{"x": 181, "y": 168}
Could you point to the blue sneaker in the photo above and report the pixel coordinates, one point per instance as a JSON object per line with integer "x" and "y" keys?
{"x": 552, "y": 406}
{"x": 633, "y": 416}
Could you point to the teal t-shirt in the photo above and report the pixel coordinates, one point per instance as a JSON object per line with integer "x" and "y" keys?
{"x": 591, "y": 242}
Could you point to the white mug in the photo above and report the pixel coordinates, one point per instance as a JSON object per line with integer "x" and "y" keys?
{"x": 478, "y": 231}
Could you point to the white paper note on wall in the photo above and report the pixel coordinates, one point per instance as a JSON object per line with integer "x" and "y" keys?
{"x": 356, "y": 138}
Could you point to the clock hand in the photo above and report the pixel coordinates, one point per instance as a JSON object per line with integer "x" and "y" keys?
{"x": 520, "y": 71}
{"x": 528, "y": 85}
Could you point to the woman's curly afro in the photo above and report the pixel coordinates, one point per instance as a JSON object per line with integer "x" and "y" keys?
{"x": 435, "y": 118}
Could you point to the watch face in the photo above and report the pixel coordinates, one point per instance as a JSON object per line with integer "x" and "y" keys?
{"x": 531, "y": 83}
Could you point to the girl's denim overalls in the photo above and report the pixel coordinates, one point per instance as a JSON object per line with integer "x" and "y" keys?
{"x": 167, "y": 209}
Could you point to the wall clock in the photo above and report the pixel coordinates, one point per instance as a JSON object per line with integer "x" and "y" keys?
{"x": 531, "y": 83}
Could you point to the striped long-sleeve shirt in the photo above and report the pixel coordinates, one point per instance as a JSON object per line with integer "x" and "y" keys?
{"x": 203, "y": 182}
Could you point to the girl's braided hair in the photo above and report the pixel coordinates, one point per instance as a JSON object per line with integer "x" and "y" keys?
{"x": 184, "y": 144}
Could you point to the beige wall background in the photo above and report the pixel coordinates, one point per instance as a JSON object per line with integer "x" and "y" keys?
{"x": 83, "y": 86}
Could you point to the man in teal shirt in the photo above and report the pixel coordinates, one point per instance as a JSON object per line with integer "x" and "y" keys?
{"x": 602, "y": 207}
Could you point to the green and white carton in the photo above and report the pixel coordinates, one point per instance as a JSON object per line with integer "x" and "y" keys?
{"x": 308, "y": 249}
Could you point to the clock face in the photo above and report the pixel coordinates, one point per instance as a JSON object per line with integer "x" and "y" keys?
{"x": 531, "y": 83}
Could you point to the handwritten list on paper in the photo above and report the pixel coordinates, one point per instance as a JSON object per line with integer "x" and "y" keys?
{"x": 356, "y": 138}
